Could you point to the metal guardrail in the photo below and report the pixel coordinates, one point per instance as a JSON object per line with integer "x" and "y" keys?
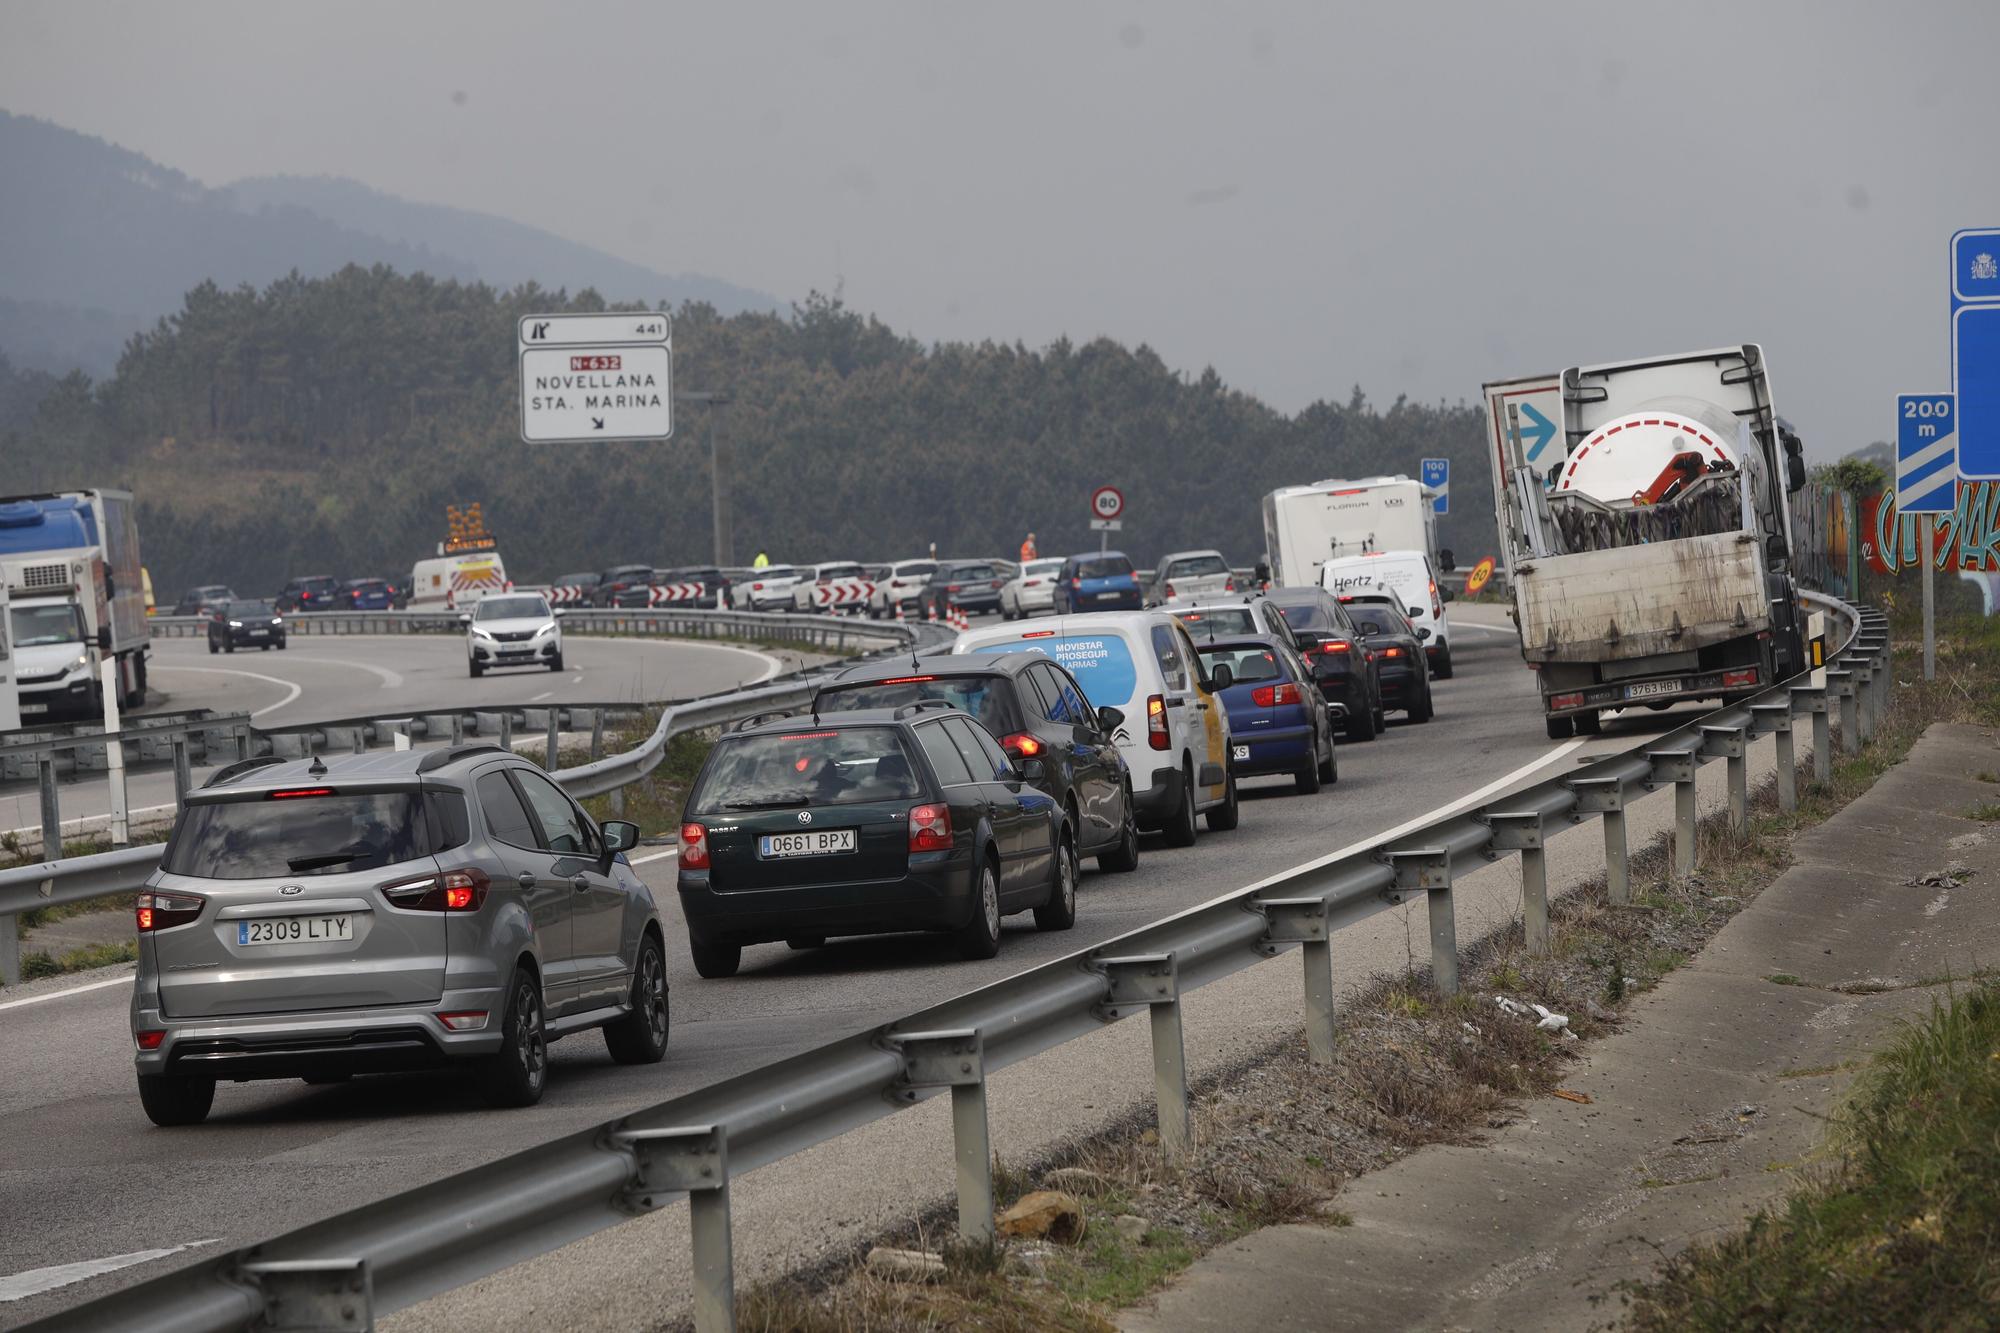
{"x": 392, "y": 1253}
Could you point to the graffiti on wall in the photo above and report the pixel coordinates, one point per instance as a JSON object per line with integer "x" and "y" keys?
{"x": 1967, "y": 540}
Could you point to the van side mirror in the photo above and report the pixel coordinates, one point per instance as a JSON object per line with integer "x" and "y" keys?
{"x": 1109, "y": 719}
{"x": 1444, "y": 558}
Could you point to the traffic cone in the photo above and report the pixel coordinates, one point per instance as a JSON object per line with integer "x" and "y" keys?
{"x": 930, "y": 613}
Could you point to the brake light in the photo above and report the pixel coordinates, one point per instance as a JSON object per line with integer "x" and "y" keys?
{"x": 1566, "y": 701}
{"x": 1275, "y": 696}
{"x": 1338, "y": 646}
{"x": 1022, "y": 744}
{"x": 149, "y": 1041}
{"x": 810, "y": 736}
{"x": 1156, "y": 722}
{"x": 1229, "y": 585}
{"x": 951, "y": 587}
{"x": 1355, "y": 491}
{"x": 1170, "y": 590}
{"x": 1392, "y": 652}
{"x": 694, "y": 847}
{"x": 1437, "y": 607}
{"x": 297, "y": 793}
{"x": 908, "y": 680}
{"x": 1076, "y": 583}
{"x": 996, "y": 583}
{"x": 930, "y": 828}
{"x": 454, "y": 891}
{"x": 1736, "y": 679}
{"x": 159, "y": 911}
{"x": 1039, "y": 634}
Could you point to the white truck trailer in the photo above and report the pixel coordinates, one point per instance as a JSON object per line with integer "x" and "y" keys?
{"x": 1642, "y": 508}
{"x": 1306, "y": 526}
{"x": 71, "y": 564}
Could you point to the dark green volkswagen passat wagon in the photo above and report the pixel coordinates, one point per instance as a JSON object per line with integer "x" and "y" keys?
{"x": 868, "y": 822}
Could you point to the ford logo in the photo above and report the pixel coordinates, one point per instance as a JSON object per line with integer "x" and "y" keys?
{"x": 805, "y": 816}
{"x": 291, "y": 890}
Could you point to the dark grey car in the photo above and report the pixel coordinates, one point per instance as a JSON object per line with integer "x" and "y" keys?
{"x": 382, "y": 912}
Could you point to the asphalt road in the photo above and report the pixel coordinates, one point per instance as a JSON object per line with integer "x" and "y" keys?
{"x": 85, "y": 1177}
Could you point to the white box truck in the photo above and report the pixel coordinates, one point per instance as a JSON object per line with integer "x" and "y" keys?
{"x": 77, "y": 590}
{"x": 1306, "y": 526}
{"x": 1647, "y": 532}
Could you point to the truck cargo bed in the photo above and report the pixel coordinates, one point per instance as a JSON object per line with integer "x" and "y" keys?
{"x": 1641, "y": 601}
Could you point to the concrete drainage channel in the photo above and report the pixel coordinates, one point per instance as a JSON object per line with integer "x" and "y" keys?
{"x": 397, "y": 1251}
{"x": 183, "y": 740}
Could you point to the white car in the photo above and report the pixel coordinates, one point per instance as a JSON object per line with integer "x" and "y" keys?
{"x": 512, "y": 629}
{"x": 1169, "y": 724}
{"x": 1031, "y": 590}
{"x": 902, "y": 585}
{"x": 1245, "y": 615}
{"x": 768, "y": 589}
{"x": 805, "y": 592}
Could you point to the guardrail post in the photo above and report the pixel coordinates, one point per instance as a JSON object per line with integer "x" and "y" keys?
{"x": 183, "y": 771}
{"x": 1302, "y": 921}
{"x": 555, "y": 732}
{"x": 596, "y": 734}
{"x": 1428, "y": 870}
{"x": 51, "y": 808}
{"x": 1811, "y": 700}
{"x": 1728, "y": 743}
{"x": 333, "y": 1295}
{"x": 458, "y": 728}
{"x": 1514, "y": 832}
{"x": 956, "y": 1059}
{"x": 1775, "y": 720}
{"x": 1605, "y": 797}
{"x": 1152, "y": 980}
{"x": 693, "y": 1160}
{"x": 114, "y": 756}
{"x": 10, "y": 948}
{"x": 1841, "y": 683}
{"x": 506, "y": 728}
{"x": 1678, "y": 767}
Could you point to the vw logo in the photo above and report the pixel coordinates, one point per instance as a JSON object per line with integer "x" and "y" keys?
{"x": 805, "y": 816}
{"x": 291, "y": 890}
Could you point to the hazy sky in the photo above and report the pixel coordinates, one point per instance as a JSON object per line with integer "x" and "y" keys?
{"x": 1412, "y": 197}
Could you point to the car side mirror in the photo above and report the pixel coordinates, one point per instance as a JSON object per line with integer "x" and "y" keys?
{"x": 1032, "y": 770}
{"x": 1423, "y": 634}
{"x": 464, "y": 618}
{"x": 1221, "y": 678}
{"x": 1447, "y": 595}
{"x": 1444, "y": 558}
{"x": 619, "y": 836}
{"x": 1109, "y": 719}
{"x": 558, "y": 613}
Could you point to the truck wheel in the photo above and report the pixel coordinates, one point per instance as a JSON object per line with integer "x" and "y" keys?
{"x": 1589, "y": 724}
{"x": 1560, "y": 728}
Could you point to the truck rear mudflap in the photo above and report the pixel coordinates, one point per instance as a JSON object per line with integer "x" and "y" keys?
{"x": 1652, "y": 691}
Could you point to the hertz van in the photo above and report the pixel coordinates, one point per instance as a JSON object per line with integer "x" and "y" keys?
{"x": 1168, "y": 726}
{"x": 1406, "y": 579}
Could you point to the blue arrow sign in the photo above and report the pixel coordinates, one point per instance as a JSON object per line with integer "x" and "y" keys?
{"x": 1926, "y": 453}
{"x": 1537, "y": 435}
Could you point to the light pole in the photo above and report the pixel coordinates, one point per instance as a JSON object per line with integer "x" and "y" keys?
{"x": 718, "y": 467}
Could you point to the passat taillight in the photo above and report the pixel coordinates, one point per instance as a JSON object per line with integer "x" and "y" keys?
{"x": 156, "y": 910}
{"x": 453, "y": 891}
{"x": 1275, "y": 696}
{"x": 1156, "y": 722}
{"x": 694, "y": 847}
{"x": 930, "y": 828}
{"x": 1022, "y": 744}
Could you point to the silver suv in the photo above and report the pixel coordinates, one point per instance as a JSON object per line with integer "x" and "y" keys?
{"x": 316, "y": 919}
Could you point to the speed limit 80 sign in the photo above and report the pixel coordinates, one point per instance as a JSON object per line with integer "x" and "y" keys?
{"x": 1107, "y": 502}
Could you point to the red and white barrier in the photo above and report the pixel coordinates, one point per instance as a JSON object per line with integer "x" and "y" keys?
{"x": 673, "y": 594}
{"x": 842, "y": 592}
{"x": 570, "y": 595}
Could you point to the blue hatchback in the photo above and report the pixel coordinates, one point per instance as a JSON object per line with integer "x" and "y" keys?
{"x": 1278, "y": 723}
{"x": 1101, "y": 582}
{"x": 365, "y": 595}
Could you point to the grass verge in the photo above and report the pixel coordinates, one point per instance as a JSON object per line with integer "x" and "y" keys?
{"x": 654, "y": 802}
{"x": 1899, "y": 1230}
{"x": 42, "y": 963}
{"x": 1278, "y": 1137}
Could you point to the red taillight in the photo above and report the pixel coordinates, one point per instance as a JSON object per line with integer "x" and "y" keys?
{"x": 1392, "y": 652}
{"x": 1039, "y": 634}
{"x": 930, "y": 828}
{"x": 1022, "y": 744}
{"x": 465, "y": 1020}
{"x": 159, "y": 911}
{"x": 297, "y": 793}
{"x": 1338, "y": 646}
{"x": 908, "y": 680}
{"x": 1156, "y": 722}
{"x": 149, "y": 1041}
{"x": 1732, "y": 680}
{"x": 454, "y": 891}
{"x": 1076, "y": 583}
{"x": 1170, "y": 590}
{"x": 694, "y": 847}
{"x": 996, "y": 583}
{"x": 1275, "y": 696}
{"x": 951, "y": 587}
{"x": 1566, "y": 701}
{"x": 1229, "y": 585}
{"x": 1437, "y": 607}
{"x": 756, "y": 587}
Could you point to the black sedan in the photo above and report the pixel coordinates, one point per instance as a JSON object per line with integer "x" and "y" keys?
{"x": 1039, "y": 712}
{"x": 866, "y": 823}
{"x": 233, "y": 625}
{"x": 971, "y": 586}
{"x": 1339, "y": 660}
{"x": 1398, "y": 646}
{"x": 624, "y": 585}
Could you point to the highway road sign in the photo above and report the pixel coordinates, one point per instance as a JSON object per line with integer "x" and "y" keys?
{"x": 1107, "y": 502}
{"x": 1975, "y": 351}
{"x": 597, "y": 377}
{"x": 1437, "y": 476}
{"x": 1926, "y": 453}
{"x": 1480, "y": 573}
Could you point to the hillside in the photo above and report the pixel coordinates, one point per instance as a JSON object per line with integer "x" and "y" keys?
{"x": 102, "y": 241}
{"x": 327, "y": 422}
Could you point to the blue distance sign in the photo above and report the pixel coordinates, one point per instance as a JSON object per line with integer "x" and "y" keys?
{"x": 1437, "y": 476}
{"x": 1926, "y": 453}
{"x": 1975, "y": 351}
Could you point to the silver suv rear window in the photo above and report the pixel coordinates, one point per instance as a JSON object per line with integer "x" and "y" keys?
{"x": 268, "y": 837}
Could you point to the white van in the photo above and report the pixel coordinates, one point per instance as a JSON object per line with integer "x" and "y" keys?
{"x": 457, "y": 581}
{"x": 1170, "y": 729}
{"x": 1407, "y": 577}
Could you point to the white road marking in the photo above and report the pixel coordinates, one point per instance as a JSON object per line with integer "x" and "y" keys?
{"x": 125, "y": 980}
{"x": 38, "y": 1280}
{"x": 296, "y": 689}
{"x": 577, "y": 679}
{"x": 389, "y": 678}
{"x": 1483, "y": 629}
{"x": 634, "y": 860}
{"x": 543, "y": 695}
